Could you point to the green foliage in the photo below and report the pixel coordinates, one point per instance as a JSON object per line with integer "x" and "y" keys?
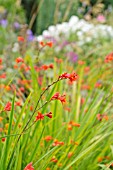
{"x": 52, "y": 12}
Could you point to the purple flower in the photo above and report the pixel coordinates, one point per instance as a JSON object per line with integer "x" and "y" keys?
{"x": 29, "y": 32}
{"x": 30, "y": 35}
{"x": 72, "y": 56}
{"x": 16, "y": 25}
{"x": 3, "y": 23}
{"x": 65, "y": 43}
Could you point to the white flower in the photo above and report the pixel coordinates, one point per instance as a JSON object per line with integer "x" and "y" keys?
{"x": 73, "y": 20}
{"x": 46, "y": 33}
{"x": 40, "y": 38}
{"x": 15, "y": 47}
{"x": 52, "y": 28}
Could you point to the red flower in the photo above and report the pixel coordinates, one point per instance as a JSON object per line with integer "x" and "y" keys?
{"x": 109, "y": 57}
{"x": 22, "y": 89}
{"x": 87, "y": 69}
{"x": 0, "y": 60}
{"x": 48, "y": 168}
{"x": 64, "y": 76}
{"x": 80, "y": 62}
{"x": 51, "y": 66}
{"x": 72, "y": 77}
{"x": 48, "y": 138}
{"x": 69, "y": 127}
{"x": 57, "y": 143}
{"x": 40, "y": 116}
{"x": 8, "y": 106}
{"x": 75, "y": 124}
{"x": 72, "y": 123}
{"x": 37, "y": 68}
{"x": 98, "y": 84}
{"x": 3, "y": 139}
{"x": 58, "y": 60}
{"x": 19, "y": 59}
{"x": 3, "y": 76}
{"x": 42, "y": 43}
{"x": 29, "y": 167}
{"x": 45, "y": 67}
{"x": 62, "y": 98}
{"x": 20, "y": 39}
{"x": 49, "y": 115}
{"x": 67, "y": 109}
{"x": 57, "y": 96}
{"x": 50, "y": 44}
{"x": 18, "y": 103}
{"x": 100, "y": 117}
{"x": 70, "y": 154}
{"x": 54, "y": 159}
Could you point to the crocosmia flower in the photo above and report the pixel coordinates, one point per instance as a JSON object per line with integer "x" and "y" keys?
{"x": 19, "y": 59}
{"x": 0, "y": 60}
{"x": 29, "y": 167}
{"x": 7, "y": 106}
{"x": 40, "y": 116}
{"x": 20, "y": 39}
{"x": 57, "y": 96}
{"x": 3, "y": 76}
{"x": 50, "y": 44}
{"x": 109, "y": 57}
{"x": 72, "y": 77}
{"x": 3, "y": 139}
{"x": 49, "y": 115}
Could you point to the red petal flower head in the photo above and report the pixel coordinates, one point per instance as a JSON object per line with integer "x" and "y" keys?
{"x": 3, "y": 139}
{"x": 19, "y": 59}
{"x": 64, "y": 76}
{"x": 62, "y": 98}
{"x": 42, "y": 43}
{"x": 29, "y": 167}
{"x": 51, "y": 66}
{"x": 8, "y": 106}
{"x": 109, "y": 57}
{"x": 54, "y": 159}
{"x": 40, "y": 116}
{"x": 49, "y": 115}
{"x": 20, "y": 39}
{"x": 0, "y": 60}
{"x": 50, "y": 44}
{"x": 72, "y": 77}
{"x": 48, "y": 138}
{"x": 57, "y": 96}
{"x": 3, "y": 76}
{"x": 45, "y": 67}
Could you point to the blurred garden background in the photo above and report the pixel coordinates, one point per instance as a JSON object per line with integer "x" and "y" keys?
{"x": 56, "y": 84}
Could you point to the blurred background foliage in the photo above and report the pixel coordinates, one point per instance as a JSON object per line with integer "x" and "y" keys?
{"x": 42, "y": 13}
{"x": 39, "y": 14}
